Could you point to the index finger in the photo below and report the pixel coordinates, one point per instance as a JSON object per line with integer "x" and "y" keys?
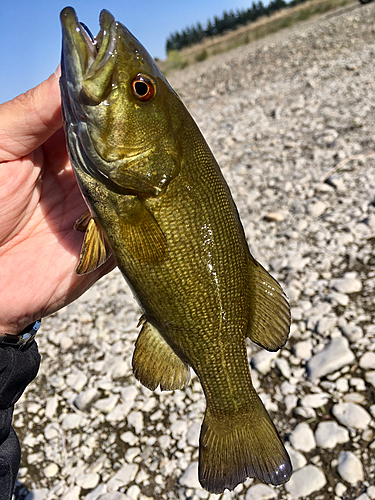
{"x": 30, "y": 119}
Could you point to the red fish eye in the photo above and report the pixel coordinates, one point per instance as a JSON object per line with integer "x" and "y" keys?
{"x": 143, "y": 88}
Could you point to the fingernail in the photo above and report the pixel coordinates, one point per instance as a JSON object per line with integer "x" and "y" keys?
{"x": 58, "y": 71}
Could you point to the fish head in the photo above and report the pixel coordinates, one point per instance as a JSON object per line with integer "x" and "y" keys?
{"x": 118, "y": 109}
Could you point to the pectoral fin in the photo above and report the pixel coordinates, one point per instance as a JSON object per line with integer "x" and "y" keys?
{"x": 141, "y": 234}
{"x": 94, "y": 252}
{"x": 155, "y": 363}
{"x": 270, "y": 314}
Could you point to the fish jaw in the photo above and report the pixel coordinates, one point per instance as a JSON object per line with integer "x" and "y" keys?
{"x": 112, "y": 130}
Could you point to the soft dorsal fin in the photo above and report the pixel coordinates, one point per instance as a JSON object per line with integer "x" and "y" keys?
{"x": 270, "y": 314}
{"x": 93, "y": 252}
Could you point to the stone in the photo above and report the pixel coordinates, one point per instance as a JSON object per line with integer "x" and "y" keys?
{"x": 96, "y": 493}
{"x": 316, "y": 209}
{"x": 123, "y": 477}
{"x": 334, "y": 356}
{"x": 329, "y": 434}
{"x": 346, "y": 285}
{"x": 262, "y": 361}
{"x": 305, "y": 481}
{"x": 106, "y": 405}
{"x": 72, "y": 494}
{"x": 260, "y": 492}
{"x": 86, "y": 398}
{"x": 298, "y": 459}
{"x": 351, "y": 415}
{"x": 350, "y": 467}
{"x": 51, "y": 470}
{"x": 38, "y": 494}
{"x": 303, "y": 349}
{"x": 193, "y": 434}
{"x": 315, "y": 400}
{"x": 114, "y": 495}
{"x": 190, "y": 477}
{"x": 370, "y": 377}
{"x": 88, "y": 481}
{"x": 302, "y": 438}
{"x": 71, "y": 421}
{"x": 51, "y": 406}
{"x": 135, "y": 419}
{"x": 367, "y": 361}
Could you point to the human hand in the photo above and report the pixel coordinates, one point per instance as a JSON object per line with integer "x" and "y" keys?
{"x": 39, "y": 204}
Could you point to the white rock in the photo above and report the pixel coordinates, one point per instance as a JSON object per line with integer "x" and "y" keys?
{"x": 367, "y": 361}
{"x": 298, "y": 459}
{"x": 315, "y": 400}
{"x": 303, "y": 349}
{"x": 85, "y": 399}
{"x": 128, "y": 437}
{"x": 179, "y": 429}
{"x": 262, "y": 361}
{"x": 334, "y": 356}
{"x": 190, "y": 477}
{"x": 305, "y": 481}
{"x": 302, "y": 438}
{"x": 316, "y": 209}
{"x": 329, "y": 434}
{"x": 371, "y": 492}
{"x": 71, "y": 421}
{"x": 193, "y": 434}
{"x": 77, "y": 380}
{"x": 346, "y": 285}
{"x": 350, "y": 468}
{"x": 51, "y": 470}
{"x": 119, "y": 413}
{"x": 38, "y": 494}
{"x": 88, "y": 481}
{"x": 260, "y": 492}
{"x": 351, "y": 415}
{"x": 72, "y": 494}
{"x": 370, "y": 377}
{"x": 123, "y": 477}
{"x": 364, "y": 496}
{"x": 135, "y": 419}
{"x": 51, "y": 406}
{"x": 114, "y": 495}
{"x": 283, "y": 365}
{"x": 97, "y": 492}
{"x": 106, "y": 405}
{"x": 340, "y": 489}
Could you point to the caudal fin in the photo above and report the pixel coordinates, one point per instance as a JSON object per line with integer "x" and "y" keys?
{"x": 230, "y": 452}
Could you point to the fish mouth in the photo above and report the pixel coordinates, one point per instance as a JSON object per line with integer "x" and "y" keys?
{"x": 88, "y": 62}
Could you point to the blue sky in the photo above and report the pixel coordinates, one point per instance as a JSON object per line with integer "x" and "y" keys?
{"x": 30, "y": 34}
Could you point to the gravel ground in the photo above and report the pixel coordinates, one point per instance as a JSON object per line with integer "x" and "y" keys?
{"x": 291, "y": 120}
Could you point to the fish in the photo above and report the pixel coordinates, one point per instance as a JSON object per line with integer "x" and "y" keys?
{"x": 158, "y": 202}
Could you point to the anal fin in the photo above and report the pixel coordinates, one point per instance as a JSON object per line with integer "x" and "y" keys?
{"x": 155, "y": 363}
{"x": 269, "y": 321}
{"x": 93, "y": 252}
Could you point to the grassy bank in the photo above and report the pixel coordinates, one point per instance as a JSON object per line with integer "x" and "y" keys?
{"x": 246, "y": 34}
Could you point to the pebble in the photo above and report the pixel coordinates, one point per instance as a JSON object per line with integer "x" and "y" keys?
{"x": 37, "y": 494}
{"x": 315, "y": 400}
{"x": 86, "y": 398}
{"x": 346, "y": 285}
{"x": 302, "y": 438}
{"x": 88, "y": 481}
{"x": 298, "y": 459}
{"x": 367, "y": 361}
{"x": 303, "y": 349}
{"x": 329, "y": 434}
{"x": 306, "y": 481}
{"x": 262, "y": 361}
{"x": 190, "y": 477}
{"x": 334, "y": 356}
{"x": 260, "y": 492}
{"x": 123, "y": 477}
{"x": 351, "y": 415}
{"x": 71, "y": 421}
{"x": 350, "y": 467}
{"x": 316, "y": 209}
{"x": 51, "y": 470}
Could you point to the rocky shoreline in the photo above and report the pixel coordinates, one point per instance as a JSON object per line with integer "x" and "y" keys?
{"x": 290, "y": 119}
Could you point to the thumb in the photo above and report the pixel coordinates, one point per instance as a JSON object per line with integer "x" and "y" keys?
{"x": 28, "y": 120}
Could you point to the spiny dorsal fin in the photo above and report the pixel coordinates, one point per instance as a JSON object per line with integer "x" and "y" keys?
{"x": 155, "y": 363}
{"x": 270, "y": 314}
{"x": 93, "y": 252}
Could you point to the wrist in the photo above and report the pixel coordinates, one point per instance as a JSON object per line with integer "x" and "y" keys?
{"x": 20, "y": 340}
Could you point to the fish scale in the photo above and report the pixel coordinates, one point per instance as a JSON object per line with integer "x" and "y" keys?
{"x": 158, "y": 202}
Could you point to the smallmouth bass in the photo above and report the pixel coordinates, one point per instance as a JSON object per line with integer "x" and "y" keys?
{"x": 158, "y": 201}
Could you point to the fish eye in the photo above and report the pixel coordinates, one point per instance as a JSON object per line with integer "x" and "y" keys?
{"x": 143, "y": 88}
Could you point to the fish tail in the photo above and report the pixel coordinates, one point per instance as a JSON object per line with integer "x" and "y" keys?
{"x": 233, "y": 449}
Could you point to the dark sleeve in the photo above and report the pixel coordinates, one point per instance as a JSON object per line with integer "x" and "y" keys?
{"x": 17, "y": 370}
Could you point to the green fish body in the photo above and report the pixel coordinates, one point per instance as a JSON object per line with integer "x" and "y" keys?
{"x": 159, "y": 203}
